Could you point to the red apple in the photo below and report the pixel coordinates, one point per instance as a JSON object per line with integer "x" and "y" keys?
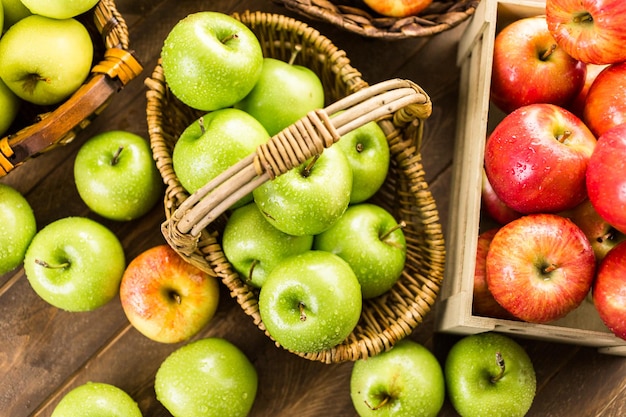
{"x": 397, "y": 8}
{"x": 493, "y": 206}
{"x": 540, "y": 267}
{"x": 593, "y": 31}
{"x": 606, "y": 177}
{"x": 536, "y": 159}
{"x": 578, "y": 104}
{"x": 483, "y": 303}
{"x": 605, "y": 106}
{"x": 609, "y": 290}
{"x": 529, "y": 67}
{"x": 166, "y": 298}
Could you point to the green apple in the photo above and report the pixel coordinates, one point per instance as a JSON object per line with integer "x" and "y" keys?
{"x": 75, "y": 264}
{"x": 14, "y": 10}
{"x": 116, "y": 176}
{"x": 310, "y": 302}
{"x": 97, "y": 399}
{"x": 17, "y": 228}
{"x": 166, "y": 298}
{"x": 253, "y": 246}
{"x": 367, "y": 237}
{"x": 10, "y": 105}
{"x": 59, "y": 9}
{"x": 211, "y": 60}
{"x": 210, "y": 377}
{"x": 405, "y": 381}
{"x": 212, "y": 144}
{"x": 45, "y": 60}
{"x": 283, "y": 95}
{"x": 308, "y": 199}
{"x": 489, "y": 374}
{"x": 367, "y": 150}
{"x": 1, "y": 18}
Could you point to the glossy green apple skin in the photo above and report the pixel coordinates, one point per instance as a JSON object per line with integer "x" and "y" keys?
{"x": 311, "y": 301}
{"x": 211, "y": 60}
{"x": 17, "y": 228}
{"x": 283, "y": 95}
{"x": 253, "y": 246}
{"x": 367, "y": 150}
{"x": 14, "y": 10}
{"x": 205, "y": 150}
{"x": 116, "y": 176}
{"x": 59, "y": 9}
{"x": 408, "y": 377}
{"x": 10, "y": 105}
{"x": 85, "y": 264}
{"x": 97, "y": 399}
{"x": 33, "y": 46}
{"x": 209, "y": 377}
{"x": 367, "y": 237}
{"x": 469, "y": 367}
{"x": 300, "y": 204}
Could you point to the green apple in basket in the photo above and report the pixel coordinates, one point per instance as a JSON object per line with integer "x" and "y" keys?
{"x": 45, "y": 60}
{"x": 59, "y": 9}
{"x": 17, "y": 228}
{"x": 116, "y": 176}
{"x": 253, "y": 246}
{"x": 10, "y": 105}
{"x": 308, "y": 199}
{"x": 97, "y": 398}
{"x": 211, "y": 60}
{"x": 213, "y": 143}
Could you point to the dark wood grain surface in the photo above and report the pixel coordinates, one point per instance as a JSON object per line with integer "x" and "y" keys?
{"x": 44, "y": 351}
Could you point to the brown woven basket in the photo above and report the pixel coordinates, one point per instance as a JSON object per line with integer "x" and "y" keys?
{"x": 39, "y": 129}
{"x": 355, "y": 16}
{"x": 194, "y": 224}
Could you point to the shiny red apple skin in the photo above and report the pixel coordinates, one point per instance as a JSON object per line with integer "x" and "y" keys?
{"x": 540, "y": 267}
{"x": 523, "y": 72}
{"x": 606, "y": 177}
{"x": 605, "y": 105}
{"x": 609, "y": 290}
{"x": 532, "y": 165}
{"x": 578, "y": 104}
{"x": 493, "y": 206}
{"x": 592, "y": 31}
{"x": 398, "y": 8}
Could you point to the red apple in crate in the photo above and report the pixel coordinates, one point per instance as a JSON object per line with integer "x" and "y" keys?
{"x": 578, "y": 104}
{"x": 536, "y": 159}
{"x": 483, "y": 303}
{"x": 493, "y": 206}
{"x": 605, "y": 106}
{"x": 540, "y": 267}
{"x": 606, "y": 177}
{"x": 166, "y": 298}
{"x": 397, "y": 8}
{"x": 609, "y": 290}
{"x": 593, "y": 31}
{"x": 529, "y": 67}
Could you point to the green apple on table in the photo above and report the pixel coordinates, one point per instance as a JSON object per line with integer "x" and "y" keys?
{"x": 17, "y": 228}
{"x": 213, "y": 143}
{"x": 211, "y": 60}
{"x": 166, "y": 298}
{"x": 405, "y": 381}
{"x": 209, "y": 377}
{"x": 116, "y": 176}
{"x": 311, "y": 301}
{"x": 45, "y": 60}
{"x": 308, "y": 199}
{"x": 253, "y": 246}
{"x": 75, "y": 264}
{"x": 59, "y": 9}
{"x": 284, "y": 93}
{"x": 10, "y": 105}
{"x": 370, "y": 239}
{"x": 489, "y": 374}
{"x": 14, "y": 10}
{"x": 97, "y": 399}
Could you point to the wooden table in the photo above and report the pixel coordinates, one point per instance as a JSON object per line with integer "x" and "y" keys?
{"x": 44, "y": 351}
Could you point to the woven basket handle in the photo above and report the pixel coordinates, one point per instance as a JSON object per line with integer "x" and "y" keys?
{"x": 288, "y": 149}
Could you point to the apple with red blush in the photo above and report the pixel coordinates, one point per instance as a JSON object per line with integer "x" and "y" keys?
{"x": 605, "y": 105}
{"x": 398, "y": 8}
{"x": 493, "y": 206}
{"x": 609, "y": 290}
{"x": 578, "y": 104}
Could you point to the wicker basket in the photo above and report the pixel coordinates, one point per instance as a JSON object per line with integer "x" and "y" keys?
{"x": 38, "y": 129}
{"x": 355, "y": 16}
{"x": 194, "y": 223}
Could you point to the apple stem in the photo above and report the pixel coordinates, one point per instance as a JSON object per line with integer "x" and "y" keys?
{"x": 548, "y": 52}
{"x": 116, "y": 156}
{"x": 201, "y": 124}
{"x": 307, "y": 169}
{"x": 400, "y": 225}
{"x": 47, "y": 265}
{"x": 230, "y": 37}
{"x": 584, "y": 17}
{"x": 562, "y": 138}
{"x": 550, "y": 268}
{"x": 294, "y": 54}
{"x": 254, "y": 264}
{"x": 380, "y": 405}
{"x": 176, "y": 297}
{"x": 302, "y": 312}
{"x": 500, "y": 363}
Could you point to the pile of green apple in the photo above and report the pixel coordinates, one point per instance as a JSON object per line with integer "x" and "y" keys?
{"x": 46, "y": 53}
{"x": 554, "y": 172}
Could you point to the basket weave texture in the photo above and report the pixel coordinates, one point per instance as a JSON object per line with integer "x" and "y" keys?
{"x": 355, "y": 16}
{"x": 39, "y": 128}
{"x": 194, "y": 223}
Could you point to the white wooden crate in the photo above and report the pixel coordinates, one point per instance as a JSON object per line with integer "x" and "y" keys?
{"x": 475, "y": 119}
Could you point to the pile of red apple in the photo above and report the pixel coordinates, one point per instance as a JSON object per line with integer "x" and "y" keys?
{"x": 554, "y": 175}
